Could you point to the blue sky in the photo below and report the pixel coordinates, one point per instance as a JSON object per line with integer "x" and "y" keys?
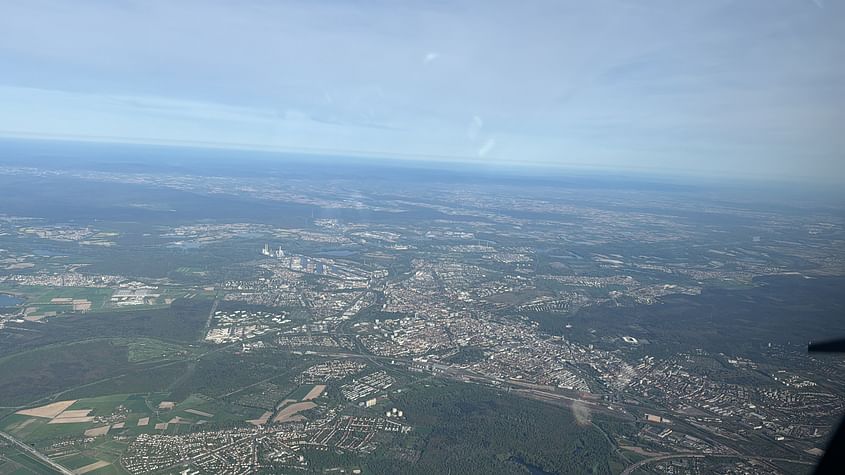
{"x": 740, "y": 87}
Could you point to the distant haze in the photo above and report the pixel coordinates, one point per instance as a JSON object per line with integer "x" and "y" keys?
{"x": 743, "y": 88}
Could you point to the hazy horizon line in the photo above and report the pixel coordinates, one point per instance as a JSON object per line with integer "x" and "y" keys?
{"x": 424, "y": 159}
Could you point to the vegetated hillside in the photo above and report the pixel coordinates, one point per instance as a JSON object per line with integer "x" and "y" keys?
{"x": 779, "y": 309}
{"x": 37, "y": 373}
{"x": 467, "y": 429}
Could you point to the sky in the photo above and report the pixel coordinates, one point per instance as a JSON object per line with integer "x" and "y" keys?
{"x": 716, "y": 87}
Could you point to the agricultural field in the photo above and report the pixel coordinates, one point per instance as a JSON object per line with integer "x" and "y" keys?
{"x": 122, "y": 415}
{"x": 264, "y": 395}
{"x": 287, "y": 320}
{"x": 17, "y": 462}
{"x": 43, "y": 301}
{"x": 40, "y": 302}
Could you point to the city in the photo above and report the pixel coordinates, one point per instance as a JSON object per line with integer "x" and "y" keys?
{"x": 250, "y": 346}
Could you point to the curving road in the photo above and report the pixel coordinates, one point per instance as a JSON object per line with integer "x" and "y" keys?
{"x": 639, "y": 464}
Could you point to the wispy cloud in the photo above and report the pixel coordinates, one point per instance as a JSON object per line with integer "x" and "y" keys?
{"x": 430, "y": 56}
{"x": 488, "y": 146}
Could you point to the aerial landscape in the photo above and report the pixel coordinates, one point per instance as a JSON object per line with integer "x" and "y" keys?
{"x": 464, "y": 237}
{"x": 179, "y": 315}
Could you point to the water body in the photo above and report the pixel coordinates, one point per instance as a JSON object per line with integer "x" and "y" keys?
{"x": 7, "y": 300}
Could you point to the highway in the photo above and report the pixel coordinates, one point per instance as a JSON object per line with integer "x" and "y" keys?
{"x": 38, "y": 455}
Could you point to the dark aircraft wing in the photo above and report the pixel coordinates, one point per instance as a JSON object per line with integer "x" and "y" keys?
{"x": 830, "y": 346}
{"x": 833, "y": 460}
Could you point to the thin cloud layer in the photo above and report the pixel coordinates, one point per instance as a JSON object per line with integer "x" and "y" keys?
{"x": 707, "y": 87}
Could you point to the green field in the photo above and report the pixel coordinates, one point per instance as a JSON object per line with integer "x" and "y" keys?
{"x": 16, "y": 462}
{"x": 76, "y": 460}
{"x": 40, "y": 297}
{"x": 222, "y": 413}
{"x": 131, "y": 407}
{"x": 147, "y": 349}
{"x": 103, "y": 450}
{"x": 36, "y": 429}
{"x": 300, "y": 392}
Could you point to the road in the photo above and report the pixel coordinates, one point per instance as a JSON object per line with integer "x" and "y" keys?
{"x": 553, "y": 395}
{"x": 38, "y": 455}
{"x": 639, "y": 464}
{"x": 660, "y": 458}
{"x": 210, "y": 317}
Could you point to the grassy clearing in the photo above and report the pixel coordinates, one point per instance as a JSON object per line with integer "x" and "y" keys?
{"x": 41, "y": 297}
{"x": 32, "y": 429}
{"x": 15, "y": 462}
{"x": 75, "y": 461}
{"x": 223, "y": 413}
{"x": 300, "y": 392}
{"x": 23, "y": 427}
{"x": 104, "y": 405}
{"x": 147, "y": 349}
